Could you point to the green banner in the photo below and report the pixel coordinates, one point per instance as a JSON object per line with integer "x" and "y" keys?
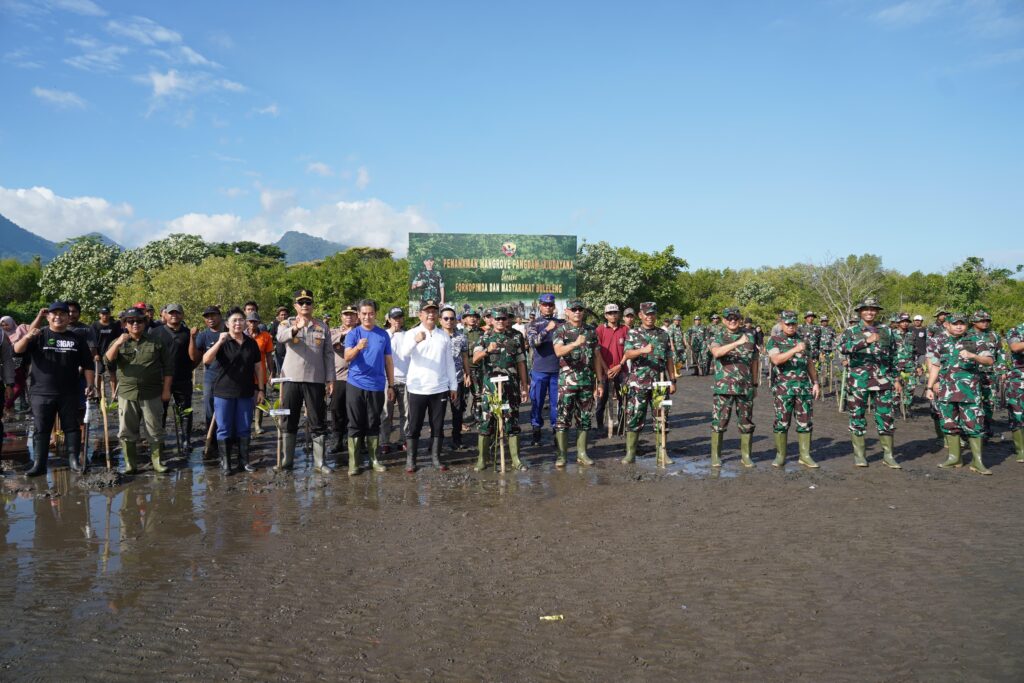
{"x": 475, "y": 270}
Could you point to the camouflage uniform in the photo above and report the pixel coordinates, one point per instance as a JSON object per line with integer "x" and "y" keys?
{"x": 810, "y": 334}
{"x": 734, "y": 384}
{"x": 989, "y": 373}
{"x": 472, "y": 340}
{"x": 504, "y": 361}
{"x": 791, "y": 386}
{"x": 433, "y": 283}
{"x": 576, "y": 377}
{"x": 958, "y": 392}
{"x": 872, "y": 368}
{"x": 828, "y": 340}
{"x": 1015, "y": 391}
{"x": 676, "y": 335}
{"x": 695, "y": 339}
{"x": 644, "y": 371}
{"x": 710, "y": 332}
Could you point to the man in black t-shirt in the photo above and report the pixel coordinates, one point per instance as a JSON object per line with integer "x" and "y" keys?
{"x": 57, "y": 355}
{"x": 175, "y": 336}
{"x": 104, "y": 331}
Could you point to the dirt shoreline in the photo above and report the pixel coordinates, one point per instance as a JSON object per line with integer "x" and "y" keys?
{"x": 837, "y": 574}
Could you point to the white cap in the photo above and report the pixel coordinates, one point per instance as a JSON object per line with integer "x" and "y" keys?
{"x": 611, "y": 308}
{"x": 918, "y": 317}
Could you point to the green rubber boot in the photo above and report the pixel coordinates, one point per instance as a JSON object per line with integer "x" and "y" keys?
{"x": 287, "y": 452}
{"x": 581, "y": 448}
{"x": 976, "y": 464}
{"x": 128, "y": 450}
{"x": 716, "y": 449}
{"x": 953, "y": 444}
{"x": 745, "y": 443}
{"x": 859, "y": 457}
{"x": 631, "y": 439}
{"x": 887, "y": 453}
{"x": 155, "y": 450}
{"x": 319, "y": 451}
{"x": 804, "y": 439}
{"x": 483, "y": 448}
{"x": 513, "y": 450}
{"x": 373, "y": 445}
{"x": 560, "y": 448}
{"x": 355, "y": 444}
{"x": 1018, "y": 443}
{"x": 780, "y": 449}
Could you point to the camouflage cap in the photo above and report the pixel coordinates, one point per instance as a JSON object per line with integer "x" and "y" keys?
{"x": 869, "y": 302}
{"x": 941, "y": 311}
{"x": 904, "y": 317}
{"x": 980, "y": 315}
{"x": 574, "y": 303}
{"x": 429, "y": 303}
{"x": 499, "y": 312}
{"x": 788, "y": 317}
{"x": 715, "y": 316}
{"x": 648, "y": 307}
{"x": 810, "y": 314}
{"x": 731, "y": 311}
{"x": 824, "y": 317}
{"x": 696, "y": 317}
{"x": 957, "y": 317}
{"x": 429, "y": 257}
{"x": 629, "y": 311}
{"x": 677, "y": 317}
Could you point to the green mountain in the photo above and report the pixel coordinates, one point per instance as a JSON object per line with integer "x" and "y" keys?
{"x": 18, "y": 243}
{"x": 299, "y": 247}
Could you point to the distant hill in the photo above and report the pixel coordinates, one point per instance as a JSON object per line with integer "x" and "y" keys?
{"x": 299, "y": 247}
{"x": 18, "y": 243}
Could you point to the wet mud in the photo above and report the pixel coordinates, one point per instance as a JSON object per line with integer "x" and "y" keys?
{"x": 683, "y": 573}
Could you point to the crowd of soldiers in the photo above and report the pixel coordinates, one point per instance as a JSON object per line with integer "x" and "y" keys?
{"x": 451, "y": 363}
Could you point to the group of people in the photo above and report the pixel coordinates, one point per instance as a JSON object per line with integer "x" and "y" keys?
{"x": 379, "y": 379}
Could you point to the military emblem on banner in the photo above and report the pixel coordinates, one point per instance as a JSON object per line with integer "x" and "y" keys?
{"x": 508, "y": 249}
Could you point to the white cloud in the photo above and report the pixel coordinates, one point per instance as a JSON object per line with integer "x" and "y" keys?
{"x": 221, "y": 40}
{"x": 232, "y": 86}
{"x": 144, "y": 31}
{"x": 222, "y": 227}
{"x": 269, "y": 110}
{"x": 56, "y": 218}
{"x": 183, "y": 54}
{"x": 319, "y": 168}
{"x": 362, "y": 177}
{"x": 86, "y": 8}
{"x": 179, "y": 84}
{"x": 233, "y": 192}
{"x": 910, "y": 12}
{"x": 59, "y": 98}
{"x": 96, "y": 56}
{"x": 274, "y": 201}
{"x": 22, "y": 58}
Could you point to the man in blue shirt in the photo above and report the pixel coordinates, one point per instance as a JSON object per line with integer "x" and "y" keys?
{"x": 544, "y": 371}
{"x": 370, "y": 373}
{"x": 201, "y": 342}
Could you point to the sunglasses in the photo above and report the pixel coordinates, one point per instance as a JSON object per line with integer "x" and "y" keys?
{"x": 305, "y": 302}
{"x": 133, "y": 322}
{"x": 448, "y": 318}
{"x": 500, "y": 317}
{"x": 575, "y": 309}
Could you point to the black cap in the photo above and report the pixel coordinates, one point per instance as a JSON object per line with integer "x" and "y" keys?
{"x": 211, "y": 310}
{"x": 303, "y": 294}
{"x": 58, "y": 306}
{"x": 105, "y": 309}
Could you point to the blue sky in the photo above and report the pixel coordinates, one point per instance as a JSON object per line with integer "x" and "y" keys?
{"x": 744, "y": 133}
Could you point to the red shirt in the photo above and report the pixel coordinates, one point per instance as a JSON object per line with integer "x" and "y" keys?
{"x": 612, "y": 341}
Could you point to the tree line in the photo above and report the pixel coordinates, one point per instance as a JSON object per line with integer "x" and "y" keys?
{"x": 188, "y": 270}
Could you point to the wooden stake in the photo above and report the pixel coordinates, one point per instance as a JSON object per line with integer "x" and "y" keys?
{"x": 501, "y": 428}
{"x": 106, "y": 428}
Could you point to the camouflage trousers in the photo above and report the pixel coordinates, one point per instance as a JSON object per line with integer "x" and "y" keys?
{"x": 574, "y": 406}
{"x": 792, "y": 407}
{"x": 638, "y": 400}
{"x": 721, "y": 410}
{"x": 488, "y": 420}
{"x": 881, "y": 401}
{"x": 965, "y": 419}
{"x": 705, "y": 361}
{"x": 988, "y": 383}
{"x": 474, "y": 389}
{"x": 1015, "y": 399}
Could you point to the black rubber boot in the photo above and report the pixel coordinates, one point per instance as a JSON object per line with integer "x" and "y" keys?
{"x": 41, "y": 446}
{"x": 536, "y": 440}
{"x": 243, "y": 454}
{"x": 74, "y": 444}
{"x": 412, "y": 446}
{"x": 435, "y": 454}
{"x": 225, "y": 455}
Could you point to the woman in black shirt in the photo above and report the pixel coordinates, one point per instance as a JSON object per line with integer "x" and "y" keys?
{"x": 240, "y": 377}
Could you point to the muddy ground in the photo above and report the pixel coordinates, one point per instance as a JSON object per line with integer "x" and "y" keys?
{"x": 763, "y": 575}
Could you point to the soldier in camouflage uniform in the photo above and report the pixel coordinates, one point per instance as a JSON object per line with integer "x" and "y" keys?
{"x": 581, "y": 375}
{"x": 871, "y": 350}
{"x": 938, "y": 327}
{"x": 935, "y": 337}
{"x": 794, "y": 386}
{"x": 905, "y": 365}
{"x": 811, "y": 334}
{"x": 736, "y": 377}
{"x": 501, "y": 352}
{"x": 982, "y": 323}
{"x": 430, "y": 282}
{"x": 954, "y": 382}
{"x": 694, "y": 339}
{"x": 649, "y": 355}
{"x": 1015, "y": 388}
{"x": 677, "y": 335}
{"x": 710, "y": 332}
{"x": 471, "y": 323}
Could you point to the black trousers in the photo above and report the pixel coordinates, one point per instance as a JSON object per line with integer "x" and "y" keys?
{"x": 339, "y": 409}
{"x": 45, "y": 410}
{"x": 181, "y": 394}
{"x": 611, "y": 386}
{"x": 294, "y": 395}
{"x": 364, "y": 408}
{"x": 419, "y": 406}
{"x": 458, "y": 408}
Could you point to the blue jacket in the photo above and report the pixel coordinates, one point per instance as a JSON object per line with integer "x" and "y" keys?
{"x": 544, "y": 358}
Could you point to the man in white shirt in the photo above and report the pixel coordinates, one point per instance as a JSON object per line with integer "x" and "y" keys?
{"x": 396, "y": 319}
{"x": 430, "y": 381}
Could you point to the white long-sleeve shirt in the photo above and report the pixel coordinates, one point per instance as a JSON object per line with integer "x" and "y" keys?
{"x": 431, "y": 367}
